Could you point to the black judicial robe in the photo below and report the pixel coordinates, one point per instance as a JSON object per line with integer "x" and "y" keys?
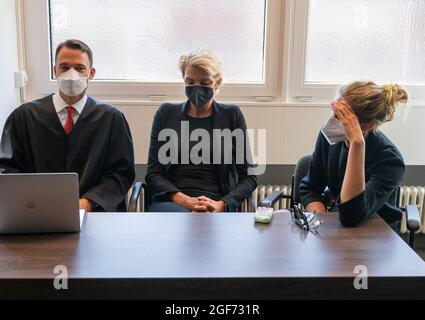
{"x": 99, "y": 149}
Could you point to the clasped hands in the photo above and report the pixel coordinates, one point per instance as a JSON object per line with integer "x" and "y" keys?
{"x": 198, "y": 204}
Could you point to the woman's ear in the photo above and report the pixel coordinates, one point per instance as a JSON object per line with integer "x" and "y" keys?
{"x": 218, "y": 83}
{"x": 367, "y": 127}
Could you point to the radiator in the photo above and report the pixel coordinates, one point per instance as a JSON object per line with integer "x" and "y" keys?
{"x": 408, "y": 195}
{"x": 264, "y": 190}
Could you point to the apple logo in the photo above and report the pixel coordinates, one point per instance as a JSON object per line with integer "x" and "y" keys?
{"x": 30, "y": 205}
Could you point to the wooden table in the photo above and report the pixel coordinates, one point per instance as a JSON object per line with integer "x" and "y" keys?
{"x": 210, "y": 256}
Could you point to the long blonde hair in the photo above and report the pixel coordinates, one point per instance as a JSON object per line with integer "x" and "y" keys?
{"x": 373, "y": 103}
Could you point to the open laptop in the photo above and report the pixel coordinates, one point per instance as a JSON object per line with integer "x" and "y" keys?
{"x": 39, "y": 203}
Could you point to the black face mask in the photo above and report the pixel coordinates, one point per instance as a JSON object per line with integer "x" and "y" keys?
{"x": 199, "y": 95}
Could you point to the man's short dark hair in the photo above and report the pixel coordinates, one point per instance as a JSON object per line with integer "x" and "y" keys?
{"x": 75, "y": 45}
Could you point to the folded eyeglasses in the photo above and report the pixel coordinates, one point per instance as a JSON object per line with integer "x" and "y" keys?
{"x": 304, "y": 219}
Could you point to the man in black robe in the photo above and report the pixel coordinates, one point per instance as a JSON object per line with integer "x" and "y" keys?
{"x": 70, "y": 132}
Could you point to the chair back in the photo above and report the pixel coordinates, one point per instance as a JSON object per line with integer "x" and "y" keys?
{"x": 301, "y": 170}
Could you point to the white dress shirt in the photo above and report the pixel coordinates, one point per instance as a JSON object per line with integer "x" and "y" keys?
{"x": 60, "y": 106}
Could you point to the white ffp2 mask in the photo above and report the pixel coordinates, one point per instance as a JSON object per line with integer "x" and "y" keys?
{"x": 333, "y": 131}
{"x": 72, "y": 83}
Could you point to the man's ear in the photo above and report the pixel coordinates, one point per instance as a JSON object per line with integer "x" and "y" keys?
{"x": 55, "y": 71}
{"x": 92, "y": 73}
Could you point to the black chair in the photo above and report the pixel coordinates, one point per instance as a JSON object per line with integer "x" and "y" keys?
{"x": 140, "y": 193}
{"x": 412, "y": 218}
{"x": 137, "y": 191}
{"x": 301, "y": 170}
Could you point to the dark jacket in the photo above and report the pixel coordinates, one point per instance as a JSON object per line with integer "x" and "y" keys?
{"x": 384, "y": 171}
{"x": 235, "y": 181}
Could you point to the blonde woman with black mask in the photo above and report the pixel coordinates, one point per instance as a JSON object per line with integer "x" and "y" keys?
{"x": 359, "y": 166}
{"x": 199, "y": 185}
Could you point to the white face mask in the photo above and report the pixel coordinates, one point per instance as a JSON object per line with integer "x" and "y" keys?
{"x": 334, "y": 131}
{"x": 72, "y": 83}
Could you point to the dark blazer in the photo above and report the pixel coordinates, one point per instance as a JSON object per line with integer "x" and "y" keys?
{"x": 236, "y": 183}
{"x": 384, "y": 171}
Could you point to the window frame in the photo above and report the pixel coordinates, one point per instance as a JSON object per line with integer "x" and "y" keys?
{"x": 285, "y": 55}
{"x": 298, "y": 89}
{"x": 34, "y": 15}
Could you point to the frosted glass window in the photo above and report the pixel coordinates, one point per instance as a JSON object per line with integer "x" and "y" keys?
{"x": 383, "y": 40}
{"x": 143, "y": 39}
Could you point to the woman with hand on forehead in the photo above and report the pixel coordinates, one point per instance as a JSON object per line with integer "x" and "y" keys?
{"x": 354, "y": 162}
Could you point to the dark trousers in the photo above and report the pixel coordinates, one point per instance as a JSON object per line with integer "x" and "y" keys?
{"x": 166, "y": 206}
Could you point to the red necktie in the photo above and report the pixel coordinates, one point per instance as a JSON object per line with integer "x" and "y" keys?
{"x": 69, "y": 124}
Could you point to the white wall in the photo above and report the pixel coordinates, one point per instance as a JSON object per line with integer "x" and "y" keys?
{"x": 9, "y": 96}
{"x": 292, "y": 131}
